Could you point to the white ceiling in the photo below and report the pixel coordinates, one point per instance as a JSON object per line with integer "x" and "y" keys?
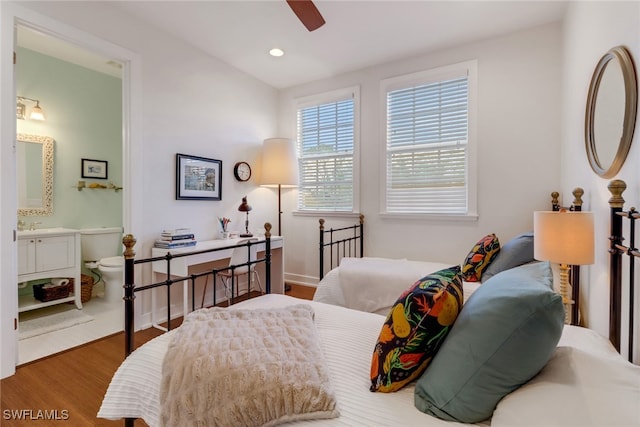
{"x": 357, "y": 34}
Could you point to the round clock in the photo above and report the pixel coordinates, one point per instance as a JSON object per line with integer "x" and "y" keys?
{"x": 242, "y": 171}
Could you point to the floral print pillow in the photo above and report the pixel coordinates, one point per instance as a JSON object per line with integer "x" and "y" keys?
{"x": 480, "y": 257}
{"x": 415, "y": 328}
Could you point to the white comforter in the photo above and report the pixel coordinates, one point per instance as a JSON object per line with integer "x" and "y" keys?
{"x": 347, "y": 339}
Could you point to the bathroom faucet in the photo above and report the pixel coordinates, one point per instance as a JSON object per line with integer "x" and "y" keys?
{"x": 32, "y": 226}
{"x": 21, "y": 225}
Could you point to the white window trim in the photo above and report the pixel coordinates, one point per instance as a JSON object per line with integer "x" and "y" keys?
{"x": 332, "y": 96}
{"x": 423, "y": 77}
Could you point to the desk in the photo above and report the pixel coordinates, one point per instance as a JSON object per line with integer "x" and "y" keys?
{"x": 187, "y": 265}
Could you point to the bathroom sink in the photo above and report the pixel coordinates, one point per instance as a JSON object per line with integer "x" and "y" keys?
{"x": 46, "y": 231}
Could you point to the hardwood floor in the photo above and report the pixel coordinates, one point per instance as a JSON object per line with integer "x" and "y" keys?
{"x": 67, "y": 388}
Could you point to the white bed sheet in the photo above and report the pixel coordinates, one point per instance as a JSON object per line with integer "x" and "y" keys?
{"x": 586, "y": 360}
{"x": 347, "y": 338}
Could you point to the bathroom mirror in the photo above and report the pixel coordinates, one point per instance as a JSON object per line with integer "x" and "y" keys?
{"x": 34, "y": 173}
{"x": 611, "y": 112}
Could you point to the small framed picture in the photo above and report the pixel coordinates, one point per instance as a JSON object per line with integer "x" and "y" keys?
{"x": 94, "y": 168}
{"x": 198, "y": 178}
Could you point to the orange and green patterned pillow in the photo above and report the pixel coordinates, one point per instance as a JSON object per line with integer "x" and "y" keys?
{"x": 415, "y": 328}
{"x": 480, "y": 257}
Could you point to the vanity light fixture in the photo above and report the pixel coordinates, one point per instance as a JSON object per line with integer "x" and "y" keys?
{"x": 21, "y": 109}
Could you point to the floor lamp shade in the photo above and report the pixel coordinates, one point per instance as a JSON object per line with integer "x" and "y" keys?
{"x": 279, "y": 162}
{"x": 563, "y": 237}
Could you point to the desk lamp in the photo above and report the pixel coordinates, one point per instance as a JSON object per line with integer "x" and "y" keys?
{"x": 565, "y": 238}
{"x": 245, "y": 207}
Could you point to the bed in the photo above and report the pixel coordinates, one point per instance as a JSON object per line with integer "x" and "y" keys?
{"x": 583, "y": 380}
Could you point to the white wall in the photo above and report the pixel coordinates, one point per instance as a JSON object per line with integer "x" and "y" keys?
{"x": 591, "y": 29}
{"x": 519, "y": 136}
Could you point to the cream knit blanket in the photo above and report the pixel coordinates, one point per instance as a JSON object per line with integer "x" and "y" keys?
{"x": 245, "y": 367}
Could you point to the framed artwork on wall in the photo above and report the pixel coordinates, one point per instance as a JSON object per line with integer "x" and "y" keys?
{"x": 198, "y": 178}
{"x": 97, "y": 169}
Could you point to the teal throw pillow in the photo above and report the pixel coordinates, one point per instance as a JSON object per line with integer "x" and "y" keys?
{"x": 504, "y": 335}
{"x": 514, "y": 253}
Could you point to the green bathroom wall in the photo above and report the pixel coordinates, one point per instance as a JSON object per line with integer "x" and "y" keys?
{"x": 83, "y": 114}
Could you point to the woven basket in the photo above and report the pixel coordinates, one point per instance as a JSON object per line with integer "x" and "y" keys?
{"x": 86, "y": 287}
{"x": 49, "y": 294}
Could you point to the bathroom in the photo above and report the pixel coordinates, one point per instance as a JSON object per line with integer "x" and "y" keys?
{"x": 82, "y": 108}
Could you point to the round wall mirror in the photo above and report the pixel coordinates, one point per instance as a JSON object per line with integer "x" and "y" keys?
{"x": 611, "y": 112}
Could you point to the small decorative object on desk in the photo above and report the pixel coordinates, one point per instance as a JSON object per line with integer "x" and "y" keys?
{"x": 224, "y": 222}
{"x": 176, "y": 238}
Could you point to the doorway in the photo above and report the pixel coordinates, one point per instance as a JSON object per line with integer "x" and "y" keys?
{"x": 16, "y": 17}
{"x": 78, "y": 92}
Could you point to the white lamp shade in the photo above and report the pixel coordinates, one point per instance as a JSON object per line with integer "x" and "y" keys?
{"x": 563, "y": 237}
{"x": 279, "y": 162}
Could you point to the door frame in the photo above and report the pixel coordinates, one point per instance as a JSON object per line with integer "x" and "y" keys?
{"x": 11, "y": 15}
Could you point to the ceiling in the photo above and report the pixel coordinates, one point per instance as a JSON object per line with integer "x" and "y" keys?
{"x": 357, "y": 34}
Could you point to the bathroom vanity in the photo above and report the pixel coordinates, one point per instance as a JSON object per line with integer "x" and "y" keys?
{"x": 48, "y": 253}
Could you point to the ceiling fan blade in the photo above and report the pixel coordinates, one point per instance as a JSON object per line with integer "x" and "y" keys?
{"x": 307, "y": 13}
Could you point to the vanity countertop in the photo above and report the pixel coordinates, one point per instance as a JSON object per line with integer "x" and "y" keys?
{"x": 43, "y": 232}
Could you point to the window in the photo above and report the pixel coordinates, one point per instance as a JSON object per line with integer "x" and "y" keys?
{"x": 327, "y": 148}
{"x": 429, "y": 151}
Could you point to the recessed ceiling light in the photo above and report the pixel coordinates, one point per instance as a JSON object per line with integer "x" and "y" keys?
{"x": 276, "y": 52}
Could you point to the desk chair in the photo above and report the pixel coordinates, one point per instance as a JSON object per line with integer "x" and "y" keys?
{"x": 240, "y": 255}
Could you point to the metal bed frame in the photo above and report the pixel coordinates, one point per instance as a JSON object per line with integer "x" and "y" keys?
{"x": 617, "y": 252}
{"x": 339, "y": 243}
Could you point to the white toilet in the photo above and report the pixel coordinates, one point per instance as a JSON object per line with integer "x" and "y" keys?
{"x": 100, "y": 247}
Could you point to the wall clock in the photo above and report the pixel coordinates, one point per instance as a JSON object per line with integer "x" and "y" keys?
{"x": 242, "y": 171}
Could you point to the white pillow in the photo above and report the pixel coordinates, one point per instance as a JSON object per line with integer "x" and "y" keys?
{"x": 575, "y": 388}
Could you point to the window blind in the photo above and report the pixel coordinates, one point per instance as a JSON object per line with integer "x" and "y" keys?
{"x": 326, "y": 156}
{"x": 427, "y": 137}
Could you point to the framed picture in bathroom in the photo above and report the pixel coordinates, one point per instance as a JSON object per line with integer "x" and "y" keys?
{"x": 198, "y": 178}
{"x": 94, "y": 168}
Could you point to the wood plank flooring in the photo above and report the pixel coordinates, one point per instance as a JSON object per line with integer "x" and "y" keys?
{"x": 70, "y": 386}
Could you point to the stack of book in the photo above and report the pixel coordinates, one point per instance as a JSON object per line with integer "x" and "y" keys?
{"x": 176, "y": 238}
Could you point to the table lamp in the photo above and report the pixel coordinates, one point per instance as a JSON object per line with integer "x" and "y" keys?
{"x": 565, "y": 238}
{"x": 279, "y": 168}
{"x": 245, "y": 207}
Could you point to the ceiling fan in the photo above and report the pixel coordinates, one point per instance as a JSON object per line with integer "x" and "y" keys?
{"x": 307, "y": 13}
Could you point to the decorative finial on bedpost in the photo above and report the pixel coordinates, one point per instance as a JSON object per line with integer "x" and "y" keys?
{"x": 267, "y": 230}
{"x": 321, "y": 221}
{"x": 616, "y": 188}
{"x": 554, "y": 201}
{"x": 577, "y": 196}
{"x": 361, "y": 219}
{"x": 129, "y": 241}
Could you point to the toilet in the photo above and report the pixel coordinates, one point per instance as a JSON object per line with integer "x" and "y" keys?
{"x": 100, "y": 248}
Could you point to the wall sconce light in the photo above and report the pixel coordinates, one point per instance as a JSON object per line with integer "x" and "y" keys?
{"x": 565, "y": 238}
{"x": 21, "y": 109}
{"x": 245, "y": 207}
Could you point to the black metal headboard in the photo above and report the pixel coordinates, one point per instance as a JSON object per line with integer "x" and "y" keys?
{"x": 339, "y": 243}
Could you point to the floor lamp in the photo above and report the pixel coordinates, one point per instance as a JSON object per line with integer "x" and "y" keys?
{"x": 279, "y": 168}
